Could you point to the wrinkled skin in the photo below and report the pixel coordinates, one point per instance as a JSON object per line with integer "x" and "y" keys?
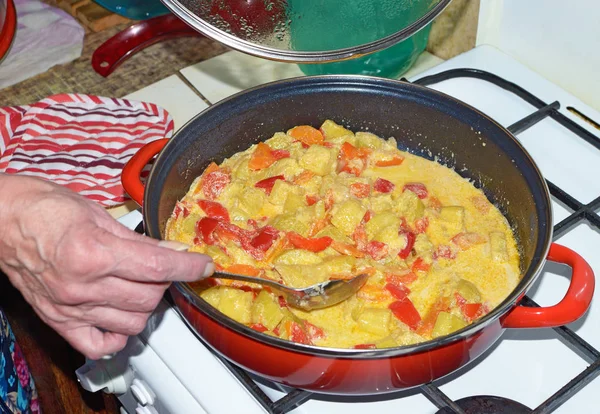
{"x": 87, "y": 276}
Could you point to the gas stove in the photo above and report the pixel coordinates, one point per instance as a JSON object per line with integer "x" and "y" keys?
{"x": 168, "y": 369}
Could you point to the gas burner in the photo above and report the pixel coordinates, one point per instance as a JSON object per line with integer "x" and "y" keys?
{"x": 488, "y": 404}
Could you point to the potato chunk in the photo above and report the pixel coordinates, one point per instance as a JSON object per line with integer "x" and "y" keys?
{"x": 498, "y": 247}
{"x": 280, "y": 192}
{"x": 452, "y": 219}
{"x": 348, "y": 215}
{"x": 318, "y": 159}
{"x": 408, "y": 205}
{"x": 366, "y": 139}
{"x": 447, "y": 323}
{"x": 298, "y": 256}
{"x": 469, "y": 291}
{"x": 266, "y": 310}
{"x": 236, "y": 304}
{"x": 252, "y": 200}
{"x": 375, "y": 321}
{"x": 331, "y": 130}
{"x": 382, "y": 221}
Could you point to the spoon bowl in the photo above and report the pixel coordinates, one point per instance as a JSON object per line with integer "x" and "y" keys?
{"x": 319, "y": 296}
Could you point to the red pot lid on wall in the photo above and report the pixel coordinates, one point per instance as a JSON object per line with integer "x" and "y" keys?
{"x": 8, "y": 29}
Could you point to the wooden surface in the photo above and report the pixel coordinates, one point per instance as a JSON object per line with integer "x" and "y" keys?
{"x": 51, "y": 360}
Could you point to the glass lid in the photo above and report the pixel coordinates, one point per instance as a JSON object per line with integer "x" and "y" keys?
{"x": 307, "y": 31}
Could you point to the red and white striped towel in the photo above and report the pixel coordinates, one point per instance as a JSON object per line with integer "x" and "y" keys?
{"x": 79, "y": 141}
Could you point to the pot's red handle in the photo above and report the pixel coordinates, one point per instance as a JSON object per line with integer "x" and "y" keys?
{"x": 575, "y": 303}
{"x": 132, "y": 172}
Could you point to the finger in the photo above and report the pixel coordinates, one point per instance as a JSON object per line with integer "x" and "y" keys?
{"x": 93, "y": 343}
{"x": 145, "y": 262}
{"x": 122, "y": 294}
{"x": 109, "y": 319}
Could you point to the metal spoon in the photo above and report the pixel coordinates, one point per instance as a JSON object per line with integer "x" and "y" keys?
{"x": 313, "y": 297}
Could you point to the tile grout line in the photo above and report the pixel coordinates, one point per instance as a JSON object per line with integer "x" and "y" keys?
{"x": 193, "y": 88}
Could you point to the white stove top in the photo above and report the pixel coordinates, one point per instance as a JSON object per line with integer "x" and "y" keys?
{"x": 525, "y": 365}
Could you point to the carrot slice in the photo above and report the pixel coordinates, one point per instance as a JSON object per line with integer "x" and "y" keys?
{"x": 307, "y": 135}
{"x": 397, "y": 160}
{"x": 242, "y": 269}
{"x": 262, "y": 157}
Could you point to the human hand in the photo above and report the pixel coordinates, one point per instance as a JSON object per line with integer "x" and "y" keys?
{"x": 87, "y": 276}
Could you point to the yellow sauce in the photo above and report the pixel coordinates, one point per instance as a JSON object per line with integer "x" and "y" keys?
{"x": 439, "y": 254}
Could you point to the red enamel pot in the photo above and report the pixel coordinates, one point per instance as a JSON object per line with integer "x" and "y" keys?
{"x": 423, "y": 121}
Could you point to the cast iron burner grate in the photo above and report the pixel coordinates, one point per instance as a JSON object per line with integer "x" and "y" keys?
{"x": 580, "y": 212}
{"x": 488, "y": 404}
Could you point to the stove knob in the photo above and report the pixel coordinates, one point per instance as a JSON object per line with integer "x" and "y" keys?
{"x": 142, "y": 392}
{"x": 146, "y": 410}
{"x": 106, "y": 375}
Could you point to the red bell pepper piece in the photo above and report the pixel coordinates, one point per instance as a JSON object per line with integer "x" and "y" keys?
{"x": 351, "y": 159}
{"x": 441, "y": 305}
{"x": 214, "y": 210}
{"x": 268, "y": 183}
{"x": 311, "y": 199}
{"x": 360, "y": 237}
{"x": 435, "y": 203}
{"x": 265, "y": 238}
{"x": 259, "y": 327}
{"x": 214, "y": 182}
{"x": 410, "y": 243}
{"x": 180, "y": 208}
{"x": 366, "y": 218}
{"x": 421, "y": 225}
{"x": 376, "y": 249}
{"x": 314, "y": 245}
{"x": 383, "y": 186}
{"x": 297, "y": 334}
{"x": 418, "y": 188}
{"x": 205, "y": 228}
{"x": 459, "y": 299}
{"x": 444, "y": 252}
{"x": 282, "y": 302}
{"x": 397, "y": 160}
{"x": 313, "y": 331}
{"x": 406, "y": 312}
{"x": 420, "y": 265}
{"x": 307, "y": 135}
{"x": 472, "y": 310}
{"x": 405, "y": 279}
{"x": 280, "y": 154}
{"x": 360, "y": 190}
{"x": 229, "y": 231}
{"x": 398, "y": 290}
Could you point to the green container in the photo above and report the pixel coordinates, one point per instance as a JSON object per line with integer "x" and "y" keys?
{"x": 333, "y": 24}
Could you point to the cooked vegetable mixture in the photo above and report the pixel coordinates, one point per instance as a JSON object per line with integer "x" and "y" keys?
{"x": 313, "y": 204}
